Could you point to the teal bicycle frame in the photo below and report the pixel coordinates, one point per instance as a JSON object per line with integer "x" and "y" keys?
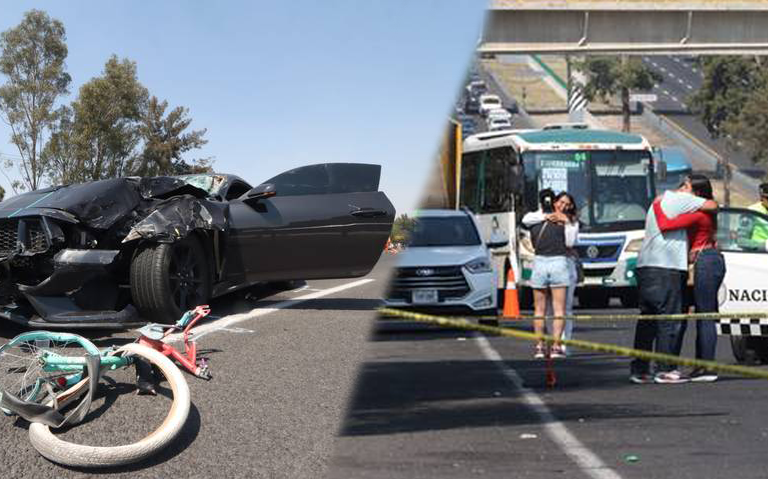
{"x": 53, "y": 362}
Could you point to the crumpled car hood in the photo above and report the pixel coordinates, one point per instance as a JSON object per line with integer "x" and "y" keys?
{"x": 102, "y": 204}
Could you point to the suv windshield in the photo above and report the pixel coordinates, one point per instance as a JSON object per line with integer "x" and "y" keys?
{"x": 448, "y": 231}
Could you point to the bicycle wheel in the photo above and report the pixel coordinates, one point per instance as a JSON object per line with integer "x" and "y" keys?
{"x": 22, "y": 361}
{"x": 79, "y": 455}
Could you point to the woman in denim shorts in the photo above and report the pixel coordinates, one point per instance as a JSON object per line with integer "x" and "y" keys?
{"x": 551, "y": 274}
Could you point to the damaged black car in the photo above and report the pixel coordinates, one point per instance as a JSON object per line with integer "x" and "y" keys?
{"x": 127, "y": 250}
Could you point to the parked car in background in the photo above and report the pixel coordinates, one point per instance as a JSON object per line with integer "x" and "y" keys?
{"x": 468, "y": 126}
{"x": 489, "y": 102}
{"x": 496, "y": 124}
{"x": 446, "y": 266}
{"x": 124, "y": 250}
{"x": 500, "y": 113}
{"x": 475, "y": 88}
{"x": 472, "y": 105}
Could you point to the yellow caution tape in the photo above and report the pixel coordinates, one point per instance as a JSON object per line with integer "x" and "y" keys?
{"x": 634, "y": 317}
{"x": 577, "y": 343}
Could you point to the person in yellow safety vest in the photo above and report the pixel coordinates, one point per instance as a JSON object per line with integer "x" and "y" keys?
{"x": 760, "y": 229}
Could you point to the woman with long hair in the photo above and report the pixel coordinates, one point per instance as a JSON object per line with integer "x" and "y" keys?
{"x": 567, "y": 205}
{"x": 708, "y": 268}
{"x": 552, "y": 233}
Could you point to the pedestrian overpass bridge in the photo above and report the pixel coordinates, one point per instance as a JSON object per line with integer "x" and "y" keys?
{"x": 640, "y": 27}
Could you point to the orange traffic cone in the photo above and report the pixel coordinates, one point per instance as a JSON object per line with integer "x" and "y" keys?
{"x": 511, "y": 303}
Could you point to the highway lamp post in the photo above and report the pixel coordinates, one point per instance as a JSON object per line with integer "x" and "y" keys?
{"x": 523, "y": 95}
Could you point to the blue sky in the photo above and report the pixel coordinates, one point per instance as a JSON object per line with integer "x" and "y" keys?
{"x": 282, "y": 84}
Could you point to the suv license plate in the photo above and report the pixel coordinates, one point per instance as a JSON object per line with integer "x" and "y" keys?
{"x": 424, "y": 296}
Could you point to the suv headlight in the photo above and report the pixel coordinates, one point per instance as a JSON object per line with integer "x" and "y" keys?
{"x": 479, "y": 265}
{"x": 634, "y": 246}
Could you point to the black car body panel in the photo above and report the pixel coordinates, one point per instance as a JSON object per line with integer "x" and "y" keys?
{"x": 65, "y": 252}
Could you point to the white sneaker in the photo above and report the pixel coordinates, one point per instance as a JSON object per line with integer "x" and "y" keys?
{"x": 671, "y": 377}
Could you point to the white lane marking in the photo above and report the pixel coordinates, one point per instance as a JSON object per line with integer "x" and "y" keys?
{"x": 695, "y": 70}
{"x": 674, "y": 98}
{"x": 665, "y": 92}
{"x": 654, "y": 64}
{"x": 680, "y": 80}
{"x": 232, "y": 319}
{"x": 688, "y": 86}
{"x": 671, "y": 75}
{"x": 589, "y": 463}
{"x": 662, "y": 69}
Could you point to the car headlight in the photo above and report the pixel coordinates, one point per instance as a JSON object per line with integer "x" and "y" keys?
{"x": 634, "y": 245}
{"x": 479, "y": 265}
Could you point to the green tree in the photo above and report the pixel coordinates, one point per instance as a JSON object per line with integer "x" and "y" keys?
{"x": 165, "y": 141}
{"x": 402, "y": 228}
{"x": 106, "y": 127}
{"x": 59, "y": 155}
{"x": 610, "y": 76}
{"x": 729, "y": 82}
{"x": 723, "y": 103}
{"x": 746, "y": 127}
{"x": 32, "y": 60}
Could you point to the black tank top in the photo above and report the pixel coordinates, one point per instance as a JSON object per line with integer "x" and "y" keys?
{"x": 550, "y": 242}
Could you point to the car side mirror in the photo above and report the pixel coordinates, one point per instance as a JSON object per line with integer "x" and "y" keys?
{"x": 264, "y": 190}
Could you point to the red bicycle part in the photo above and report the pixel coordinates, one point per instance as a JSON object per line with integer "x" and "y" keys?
{"x": 188, "y": 360}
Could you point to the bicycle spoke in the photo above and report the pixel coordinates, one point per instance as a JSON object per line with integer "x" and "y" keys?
{"x": 22, "y": 371}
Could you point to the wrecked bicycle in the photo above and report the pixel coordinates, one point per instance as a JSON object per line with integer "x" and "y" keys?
{"x": 154, "y": 335}
{"x": 42, "y": 373}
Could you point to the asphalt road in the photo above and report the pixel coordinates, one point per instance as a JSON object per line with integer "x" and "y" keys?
{"x": 683, "y": 77}
{"x": 283, "y": 367}
{"x": 443, "y": 404}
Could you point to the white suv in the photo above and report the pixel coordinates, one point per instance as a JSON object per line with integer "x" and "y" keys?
{"x": 446, "y": 266}
{"x": 489, "y": 102}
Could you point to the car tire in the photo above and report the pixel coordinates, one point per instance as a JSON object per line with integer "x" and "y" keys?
{"x": 169, "y": 279}
{"x": 744, "y": 351}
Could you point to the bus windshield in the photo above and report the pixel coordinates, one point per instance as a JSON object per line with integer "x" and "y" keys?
{"x": 485, "y": 177}
{"x": 612, "y": 188}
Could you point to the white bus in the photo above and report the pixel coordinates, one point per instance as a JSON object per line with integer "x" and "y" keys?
{"x": 611, "y": 176}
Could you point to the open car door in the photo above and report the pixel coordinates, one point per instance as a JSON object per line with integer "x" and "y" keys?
{"x": 742, "y": 237}
{"x": 319, "y": 221}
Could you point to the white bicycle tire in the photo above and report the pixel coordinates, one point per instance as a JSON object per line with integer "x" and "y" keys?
{"x": 78, "y": 455}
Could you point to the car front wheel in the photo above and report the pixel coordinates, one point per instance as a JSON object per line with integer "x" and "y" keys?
{"x": 169, "y": 279}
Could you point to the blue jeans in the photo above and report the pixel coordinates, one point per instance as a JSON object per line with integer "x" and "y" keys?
{"x": 660, "y": 291}
{"x": 708, "y": 275}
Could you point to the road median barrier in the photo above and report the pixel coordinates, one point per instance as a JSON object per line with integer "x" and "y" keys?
{"x": 459, "y": 323}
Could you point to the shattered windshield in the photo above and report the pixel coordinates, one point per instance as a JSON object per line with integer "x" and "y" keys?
{"x": 210, "y": 183}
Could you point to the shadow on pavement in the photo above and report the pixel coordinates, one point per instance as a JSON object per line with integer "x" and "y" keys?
{"x": 182, "y": 441}
{"x": 397, "y": 397}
